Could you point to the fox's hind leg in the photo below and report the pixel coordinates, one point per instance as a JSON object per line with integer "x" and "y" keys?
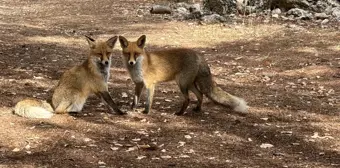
{"x": 199, "y": 96}
{"x": 75, "y": 105}
{"x": 185, "y": 83}
{"x": 62, "y": 107}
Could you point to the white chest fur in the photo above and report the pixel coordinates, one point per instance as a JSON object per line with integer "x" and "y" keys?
{"x": 104, "y": 70}
{"x": 136, "y": 71}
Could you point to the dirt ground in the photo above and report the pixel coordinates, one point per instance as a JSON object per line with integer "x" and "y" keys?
{"x": 290, "y": 77}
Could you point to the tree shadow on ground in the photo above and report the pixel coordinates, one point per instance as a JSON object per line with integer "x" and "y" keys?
{"x": 233, "y": 131}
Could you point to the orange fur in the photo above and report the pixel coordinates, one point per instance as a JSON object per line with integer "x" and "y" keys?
{"x": 78, "y": 83}
{"x": 190, "y": 71}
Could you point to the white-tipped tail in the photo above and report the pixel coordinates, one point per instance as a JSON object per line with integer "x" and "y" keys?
{"x": 241, "y": 105}
{"x": 222, "y": 97}
{"x": 33, "y": 112}
{"x": 31, "y": 108}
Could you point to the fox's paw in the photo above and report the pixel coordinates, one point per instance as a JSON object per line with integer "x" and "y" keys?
{"x": 120, "y": 112}
{"x": 133, "y": 106}
{"x": 197, "y": 109}
{"x": 179, "y": 113}
{"x": 145, "y": 111}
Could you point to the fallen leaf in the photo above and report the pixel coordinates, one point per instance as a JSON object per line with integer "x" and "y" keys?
{"x": 166, "y": 157}
{"x": 101, "y": 163}
{"x": 266, "y": 145}
{"x": 265, "y": 119}
{"x": 316, "y": 135}
{"x": 286, "y": 132}
{"x": 141, "y": 157}
{"x": 16, "y": 150}
{"x": 184, "y": 156}
{"x": 124, "y": 95}
{"x": 190, "y": 151}
{"x": 278, "y": 154}
{"x": 87, "y": 139}
{"x": 148, "y": 147}
{"x": 181, "y": 143}
{"x": 130, "y": 149}
{"x": 167, "y": 100}
{"x": 114, "y": 148}
{"x": 27, "y": 147}
{"x": 295, "y": 144}
{"x": 187, "y": 136}
{"x": 118, "y": 144}
{"x": 136, "y": 139}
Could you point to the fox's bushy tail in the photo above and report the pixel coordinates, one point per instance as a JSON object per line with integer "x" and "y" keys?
{"x": 32, "y": 108}
{"x": 204, "y": 82}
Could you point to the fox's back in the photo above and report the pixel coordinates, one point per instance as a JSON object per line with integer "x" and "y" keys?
{"x": 166, "y": 64}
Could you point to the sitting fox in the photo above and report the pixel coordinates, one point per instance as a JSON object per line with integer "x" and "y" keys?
{"x": 76, "y": 85}
{"x": 190, "y": 71}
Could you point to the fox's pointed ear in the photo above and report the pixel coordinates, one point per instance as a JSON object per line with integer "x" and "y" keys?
{"x": 112, "y": 41}
{"x": 123, "y": 42}
{"x": 141, "y": 41}
{"x": 91, "y": 41}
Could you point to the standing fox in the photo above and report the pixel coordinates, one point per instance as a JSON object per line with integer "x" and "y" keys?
{"x": 76, "y": 85}
{"x": 190, "y": 71}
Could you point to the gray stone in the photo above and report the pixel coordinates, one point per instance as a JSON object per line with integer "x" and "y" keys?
{"x": 321, "y": 16}
{"x": 194, "y": 15}
{"x": 276, "y": 11}
{"x": 182, "y": 11}
{"x": 321, "y": 6}
{"x": 214, "y": 18}
{"x": 140, "y": 12}
{"x": 328, "y": 10}
{"x": 333, "y": 3}
{"x": 336, "y": 13}
{"x": 181, "y": 4}
{"x": 325, "y": 21}
{"x": 160, "y": 9}
{"x": 300, "y": 13}
{"x": 275, "y": 16}
{"x": 195, "y": 7}
{"x": 220, "y": 7}
{"x": 289, "y": 4}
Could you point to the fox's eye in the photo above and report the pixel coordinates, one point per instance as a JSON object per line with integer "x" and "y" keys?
{"x": 108, "y": 54}
{"x": 99, "y": 54}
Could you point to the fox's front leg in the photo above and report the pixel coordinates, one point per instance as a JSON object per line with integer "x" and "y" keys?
{"x": 105, "y": 95}
{"x": 138, "y": 90}
{"x": 149, "y": 91}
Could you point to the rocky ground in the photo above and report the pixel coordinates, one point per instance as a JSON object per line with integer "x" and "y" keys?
{"x": 210, "y": 11}
{"x": 287, "y": 71}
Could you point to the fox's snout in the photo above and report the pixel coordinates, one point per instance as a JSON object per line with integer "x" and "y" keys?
{"x": 105, "y": 62}
{"x": 132, "y": 63}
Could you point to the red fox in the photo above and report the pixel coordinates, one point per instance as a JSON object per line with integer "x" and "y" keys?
{"x": 76, "y": 85}
{"x": 190, "y": 71}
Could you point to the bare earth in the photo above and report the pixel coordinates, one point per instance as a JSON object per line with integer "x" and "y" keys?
{"x": 289, "y": 76}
